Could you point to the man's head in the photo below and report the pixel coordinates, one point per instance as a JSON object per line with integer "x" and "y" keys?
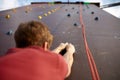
{"x": 32, "y": 33}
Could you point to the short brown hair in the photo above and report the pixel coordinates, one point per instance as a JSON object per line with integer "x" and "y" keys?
{"x": 32, "y": 33}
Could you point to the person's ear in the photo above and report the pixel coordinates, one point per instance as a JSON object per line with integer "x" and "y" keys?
{"x": 45, "y": 46}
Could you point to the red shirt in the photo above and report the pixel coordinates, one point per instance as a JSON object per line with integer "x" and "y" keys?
{"x": 32, "y": 63}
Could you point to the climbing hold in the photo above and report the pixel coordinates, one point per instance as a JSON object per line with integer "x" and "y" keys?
{"x": 66, "y": 9}
{"x": 10, "y": 32}
{"x": 96, "y": 18}
{"x": 26, "y": 11}
{"x": 68, "y": 15}
{"x": 49, "y": 12}
{"x": 75, "y": 24}
{"x": 73, "y": 8}
{"x": 52, "y": 10}
{"x": 39, "y": 17}
{"x": 92, "y": 12}
{"x": 14, "y": 10}
{"x": 77, "y": 12}
{"x": 7, "y": 16}
{"x": 45, "y": 14}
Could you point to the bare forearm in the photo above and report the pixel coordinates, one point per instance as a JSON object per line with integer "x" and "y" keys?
{"x": 69, "y": 60}
{"x": 57, "y": 50}
{"x": 68, "y": 56}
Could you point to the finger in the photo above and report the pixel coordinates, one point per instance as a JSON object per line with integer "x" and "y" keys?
{"x": 63, "y": 45}
{"x": 70, "y": 47}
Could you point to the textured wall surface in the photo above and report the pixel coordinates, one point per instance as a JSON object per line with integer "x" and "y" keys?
{"x": 102, "y": 32}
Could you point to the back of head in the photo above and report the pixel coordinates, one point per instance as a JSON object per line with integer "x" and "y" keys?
{"x": 32, "y": 33}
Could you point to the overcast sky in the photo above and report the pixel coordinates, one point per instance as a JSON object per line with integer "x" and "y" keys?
{"x": 8, "y": 4}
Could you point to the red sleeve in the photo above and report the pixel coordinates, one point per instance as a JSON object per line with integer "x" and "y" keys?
{"x": 63, "y": 67}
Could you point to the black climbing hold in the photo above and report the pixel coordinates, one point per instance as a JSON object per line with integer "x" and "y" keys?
{"x": 77, "y": 12}
{"x": 68, "y": 15}
{"x": 9, "y": 32}
{"x": 73, "y": 8}
{"x": 92, "y": 12}
{"x": 75, "y": 24}
{"x": 66, "y": 9}
{"x": 26, "y": 11}
{"x": 96, "y": 18}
